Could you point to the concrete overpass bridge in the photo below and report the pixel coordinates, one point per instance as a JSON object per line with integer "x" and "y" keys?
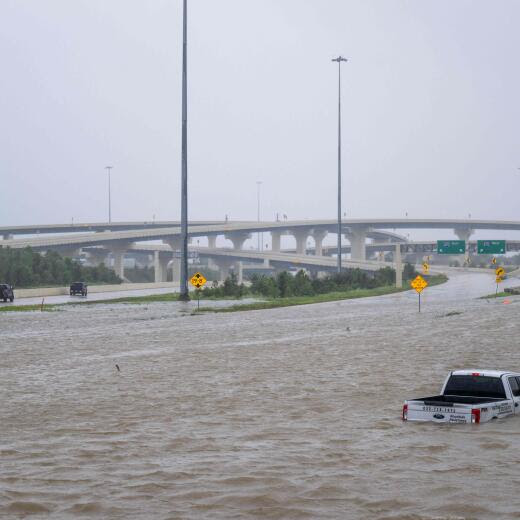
{"x": 118, "y": 238}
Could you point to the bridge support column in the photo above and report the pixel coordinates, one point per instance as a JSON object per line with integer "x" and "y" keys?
{"x": 301, "y": 236}
{"x": 118, "y": 250}
{"x": 7, "y": 236}
{"x": 464, "y": 234}
{"x": 119, "y": 262}
{"x": 160, "y": 267}
{"x": 238, "y": 239}
{"x": 239, "y": 271}
{"x": 212, "y": 241}
{"x": 357, "y": 238}
{"x": 175, "y": 244}
{"x": 318, "y": 235}
{"x": 223, "y": 265}
{"x": 276, "y": 237}
{"x": 398, "y": 267}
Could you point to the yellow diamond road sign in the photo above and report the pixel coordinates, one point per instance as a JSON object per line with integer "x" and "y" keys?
{"x": 198, "y": 280}
{"x": 499, "y": 279}
{"x": 500, "y": 271}
{"x": 419, "y": 284}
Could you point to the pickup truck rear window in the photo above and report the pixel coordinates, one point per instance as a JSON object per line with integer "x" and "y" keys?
{"x": 476, "y": 386}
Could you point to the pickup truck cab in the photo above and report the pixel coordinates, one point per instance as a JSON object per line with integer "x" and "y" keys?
{"x": 6, "y": 292}
{"x": 469, "y": 396}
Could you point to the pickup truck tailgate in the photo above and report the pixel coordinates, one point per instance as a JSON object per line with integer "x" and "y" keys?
{"x": 441, "y": 412}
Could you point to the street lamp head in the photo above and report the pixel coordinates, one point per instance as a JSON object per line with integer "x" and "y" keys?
{"x": 339, "y": 59}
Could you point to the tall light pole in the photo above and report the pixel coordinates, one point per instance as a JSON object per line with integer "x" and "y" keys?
{"x": 109, "y": 169}
{"x": 339, "y": 60}
{"x": 260, "y": 237}
{"x": 184, "y": 294}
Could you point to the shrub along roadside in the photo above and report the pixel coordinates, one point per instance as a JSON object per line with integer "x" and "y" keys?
{"x": 284, "y": 285}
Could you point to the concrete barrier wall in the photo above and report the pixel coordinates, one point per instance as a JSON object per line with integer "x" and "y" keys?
{"x": 59, "y": 291}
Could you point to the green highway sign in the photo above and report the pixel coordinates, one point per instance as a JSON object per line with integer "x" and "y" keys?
{"x": 491, "y": 247}
{"x": 451, "y": 247}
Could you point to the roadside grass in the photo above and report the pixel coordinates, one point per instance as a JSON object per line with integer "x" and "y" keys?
{"x": 498, "y": 295}
{"x": 28, "y": 308}
{"x": 152, "y": 298}
{"x": 320, "y": 298}
{"x": 166, "y": 297}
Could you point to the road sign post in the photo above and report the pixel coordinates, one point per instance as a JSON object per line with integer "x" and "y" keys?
{"x": 419, "y": 284}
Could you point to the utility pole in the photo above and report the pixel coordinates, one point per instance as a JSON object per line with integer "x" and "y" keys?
{"x": 184, "y": 294}
{"x": 260, "y": 235}
{"x": 339, "y": 60}
{"x": 109, "y": 168}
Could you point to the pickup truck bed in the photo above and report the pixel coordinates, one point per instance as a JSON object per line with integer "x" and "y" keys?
{"x": 449, "y": 400}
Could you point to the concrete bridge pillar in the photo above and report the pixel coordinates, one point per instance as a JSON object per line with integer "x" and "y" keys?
{"x": 464, "y": 234}
{"x": 319, "y": 235}
{"x": 301, "y": 236}
{"x": 7, "y": 236}
{"x": 238, "y": 239}
{"x": 224, "y": 266}
{"x": 398, "y": 267}
{"x": 357, "y": 238}
{"x": 176, "y": 244}
{"x": 119, "y": 261}
{"x": 276, "y": 237}
{"x": 239, "y": 271}
{"x": 212, "y": 241}
{"x": 118, "y": 250}
{"x": 160, "y": 267}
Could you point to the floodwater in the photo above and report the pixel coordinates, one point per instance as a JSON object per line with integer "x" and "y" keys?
{"x": 282, "y": 414}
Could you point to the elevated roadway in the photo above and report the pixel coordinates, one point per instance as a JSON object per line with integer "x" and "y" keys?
{"x": 118, "y": 238}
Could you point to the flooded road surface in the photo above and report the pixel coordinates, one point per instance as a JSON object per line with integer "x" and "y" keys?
{"x": 284, "y": 413}
{"x": 92, "y": 296}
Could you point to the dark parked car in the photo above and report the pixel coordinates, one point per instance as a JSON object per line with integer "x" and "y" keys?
{"x": 78, "y": 288}
{"x": 6, "y": 292}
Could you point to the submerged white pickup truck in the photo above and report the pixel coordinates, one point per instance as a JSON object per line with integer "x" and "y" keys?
{"x": 469, "y": 396}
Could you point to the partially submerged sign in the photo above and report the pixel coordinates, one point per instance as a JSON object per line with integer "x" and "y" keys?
{"x": 419, "y": 284}
{"x": 198, "y": 280}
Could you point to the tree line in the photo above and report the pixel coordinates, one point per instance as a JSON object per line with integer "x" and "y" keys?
{"x": 27, "y": 268}
{"x": 284, "y": 285}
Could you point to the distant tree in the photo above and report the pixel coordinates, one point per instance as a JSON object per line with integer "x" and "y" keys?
{"x": 27, "y": 268}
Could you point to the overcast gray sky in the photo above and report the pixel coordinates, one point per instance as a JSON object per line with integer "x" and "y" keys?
{"x": 431, "y": 109}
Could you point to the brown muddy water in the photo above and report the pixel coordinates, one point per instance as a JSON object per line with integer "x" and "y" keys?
{"x": 285, "y": 413}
